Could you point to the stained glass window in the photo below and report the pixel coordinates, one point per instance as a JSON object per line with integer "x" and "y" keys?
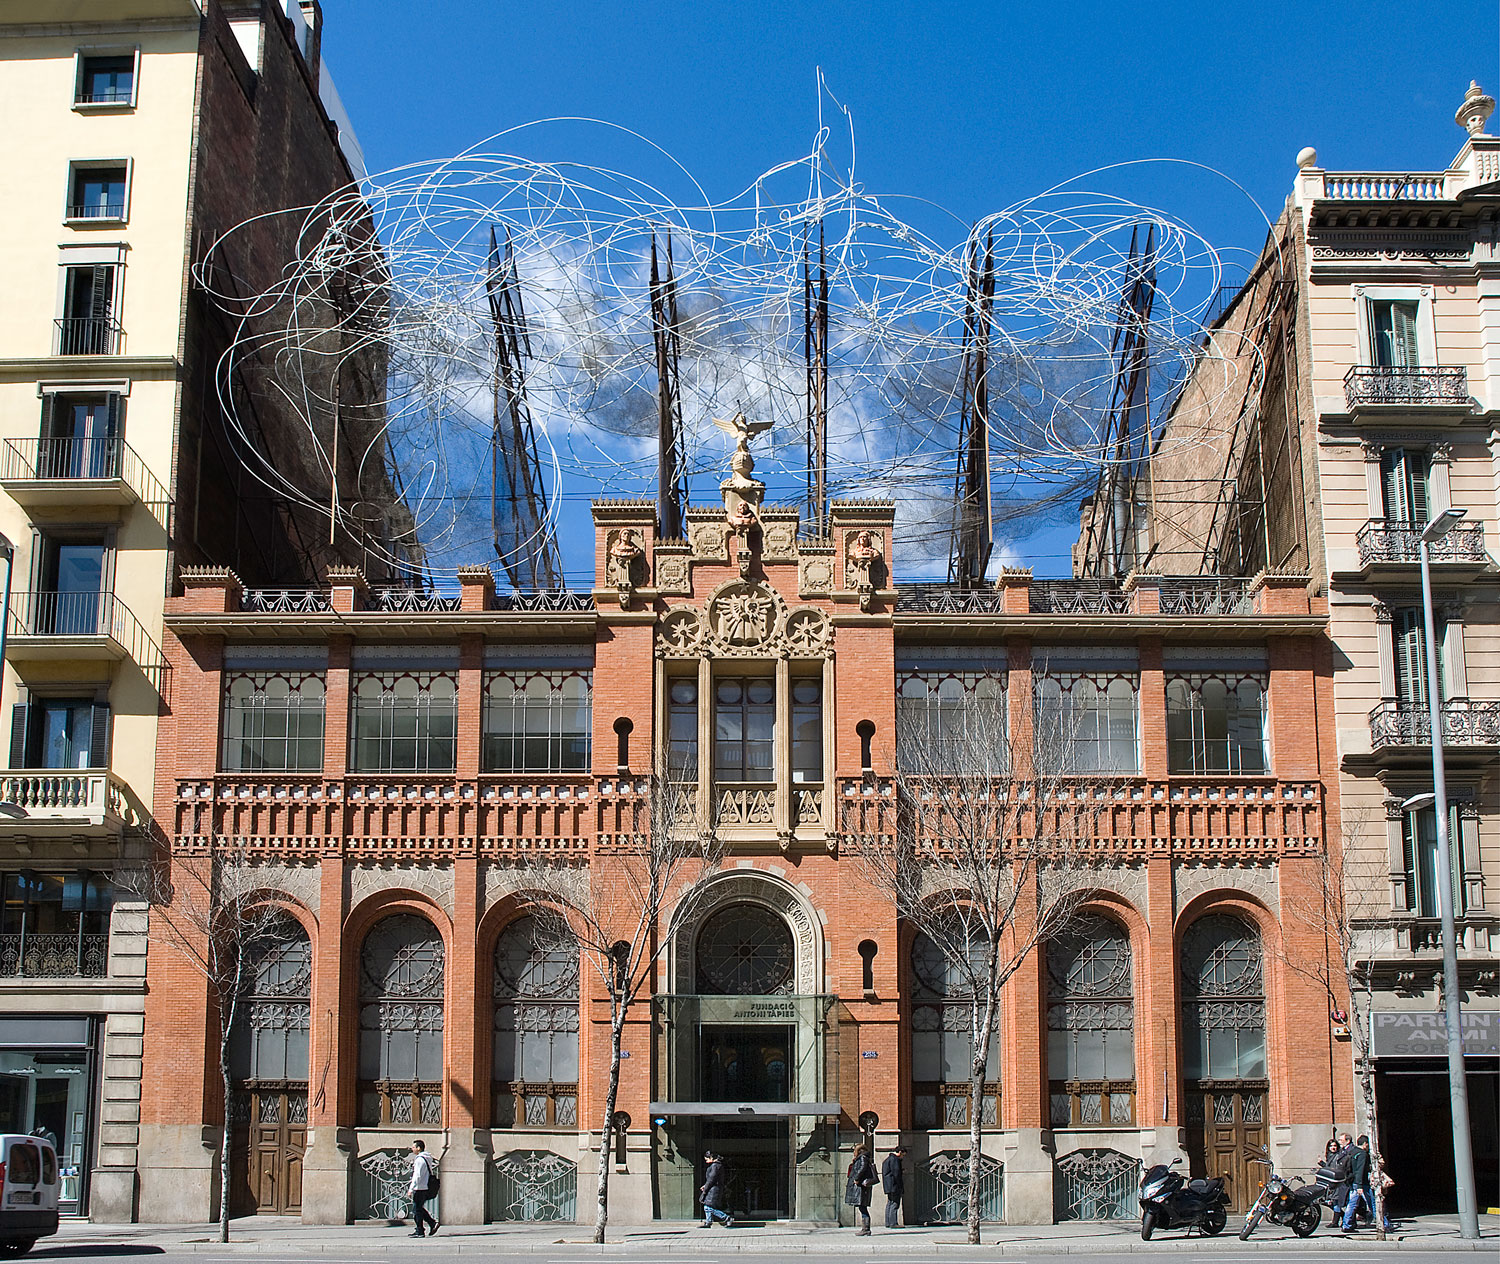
{"x": 745, "y": 950}
{"x": 536, "y": 1026}
{"x": 1224, "y": 1000}
{"x": 1090, "y": 1026}
{"x": 401, "y": 1022}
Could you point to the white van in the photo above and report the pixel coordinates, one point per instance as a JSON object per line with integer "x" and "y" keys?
{"x": 28, "y": 1191}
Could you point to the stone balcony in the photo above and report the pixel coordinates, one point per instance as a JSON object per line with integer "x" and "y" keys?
{"x": 64, "y": 801}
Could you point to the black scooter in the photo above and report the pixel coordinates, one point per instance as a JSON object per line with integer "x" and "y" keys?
{"x": 1169, "y": 1202}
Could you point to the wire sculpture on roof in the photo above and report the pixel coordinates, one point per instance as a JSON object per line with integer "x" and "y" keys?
{"x": 547, "y": 329}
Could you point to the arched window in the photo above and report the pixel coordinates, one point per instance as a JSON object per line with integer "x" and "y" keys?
{"x": 1090, "y": 1026}
{"x": 1224, "y": 1048}
{"x": 942, "y": 1039}
{"x": 401, "y": 1023}
{"x": 745, "y": 950}
{"x": 536, "y": 1027}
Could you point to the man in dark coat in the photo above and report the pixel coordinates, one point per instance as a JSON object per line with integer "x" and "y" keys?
{"x": 1359, "y": 1183}
{"x": 893, "y": 1182}
{"x": 857, "y": 1190}
{"x": 715, "y": 1191}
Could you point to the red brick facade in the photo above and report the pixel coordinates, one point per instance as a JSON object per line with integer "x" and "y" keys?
{"x": 344, "y": 849}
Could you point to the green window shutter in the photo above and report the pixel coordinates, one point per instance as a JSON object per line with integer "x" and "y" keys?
{"x": 1404, "y": 334}
{"x": 1390, "y": 485}
{"x": 20, "y": 715}
{"x": 1409, "y": 858}
{"x": 99, "y": 736}
{"x": 1411, "y": 673}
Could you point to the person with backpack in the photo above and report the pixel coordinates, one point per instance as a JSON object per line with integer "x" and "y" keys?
{"x": 424, "y": 1185}
{"x": 857, "y": 1187}
{"x": 893, "y": 1182}
{"x": 1359, "y": 1183}
{"x": 715, "y": 1191}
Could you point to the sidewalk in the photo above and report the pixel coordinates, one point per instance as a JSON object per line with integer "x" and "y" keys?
{"x": 281, "y": 1235}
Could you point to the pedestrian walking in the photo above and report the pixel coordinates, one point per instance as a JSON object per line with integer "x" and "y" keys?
{"x": 860, "y": 1182}
{"x": 424, "y": 1185}
{"x": 893, "y": 1183}
{"x": 1366, "y": 1190}
{"x": 1359, "y": 1180}
{"x": 715, "y": 1191}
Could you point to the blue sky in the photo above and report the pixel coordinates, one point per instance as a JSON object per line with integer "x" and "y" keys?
{"x": 974, "y": 106}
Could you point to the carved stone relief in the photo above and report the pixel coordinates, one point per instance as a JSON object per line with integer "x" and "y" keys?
{"x": 807, "y": 633}
{"x": 778, "y": 541}
{"x": 864, "y": 559}
{"x": 432, "y": 880}
{"x": 680, "y": 633}
{"x": 749, "y": 886}
{"x": 745, "y": 618}
{"x": 302, "y": 883}
{"x": 672, "y": 575}
{"x": 707, "y": 539}
{"x": 815, "y": 574}
{"x": 1190, "y": 879}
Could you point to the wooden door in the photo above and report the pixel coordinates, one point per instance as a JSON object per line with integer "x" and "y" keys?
{"x": 1226, "y": 1129}
{"x": 270, "y": 1145}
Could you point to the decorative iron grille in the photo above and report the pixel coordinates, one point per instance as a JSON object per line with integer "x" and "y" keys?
{"x": 533, "y": 1185}
{"x": 1194, "y": 596}
{"x": 1384, "y": 540}
{"x": 745, "y": 950}
{"x": 55, "y": 956}
{"x": 1224, "y": 1002}
{"x": 536, "y": 1026}
{"x": 545, "y": 602}
{"x": 1406, "y": 384}
{"x": 1078, "y": 596}
{"x": 285, "y": 601}
{"x": 401, "y": 1022}
{"x": 942, "y": 1188}
{"x": 386, "y": 1177}
{"x": 1408, "y": 724}
{"x": 1096, "y": 1185}
{"x": 400, "y": 599}
{"x": 941, "y": 599}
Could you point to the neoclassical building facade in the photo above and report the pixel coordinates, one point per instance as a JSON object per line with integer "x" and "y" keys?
{"x": 395, "y": 762}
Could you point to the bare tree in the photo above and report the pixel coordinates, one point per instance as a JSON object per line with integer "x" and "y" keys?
{"x": 207, "y": 908}
{"x": 1341, "y": 895}
{"x": 616, "y": 911}
{"x": 985, "y": 855}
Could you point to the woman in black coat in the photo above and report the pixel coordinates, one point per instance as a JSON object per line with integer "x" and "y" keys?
{"x": 715, "y": 1191}
{"x": 857, "y": 1190}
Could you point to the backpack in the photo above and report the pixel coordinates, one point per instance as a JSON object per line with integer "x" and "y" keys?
{"x": 1334, "y": 1171}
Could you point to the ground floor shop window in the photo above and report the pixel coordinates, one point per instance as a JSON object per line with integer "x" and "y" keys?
{"x": 46, "y": 1090}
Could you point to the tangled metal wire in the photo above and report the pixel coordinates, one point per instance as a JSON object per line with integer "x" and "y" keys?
{"x": 395, "y": 280}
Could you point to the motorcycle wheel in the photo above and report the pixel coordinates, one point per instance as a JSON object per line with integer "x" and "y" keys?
{"x": 1306, "y": 1221}
{"x": 1251, "y": 1221}
{"x": 1214, "y": 1221}
{"x": 1148, "y": 1223}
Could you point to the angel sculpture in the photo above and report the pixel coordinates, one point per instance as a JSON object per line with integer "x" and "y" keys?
{"x": 743, "y": 431}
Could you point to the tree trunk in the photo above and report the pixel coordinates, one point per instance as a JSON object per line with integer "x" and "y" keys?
{"x": 982, "y": 1038}
{"x": 1365, "y": 1069}
{"x": 224, "y": 1142}
{"x": 611, "y": 1095}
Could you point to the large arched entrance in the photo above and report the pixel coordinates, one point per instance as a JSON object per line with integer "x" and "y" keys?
{"x": 1224, "y": 1050}
{"x": 749, "y": 1054}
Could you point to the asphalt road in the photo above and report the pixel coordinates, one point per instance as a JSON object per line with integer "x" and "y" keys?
{"x": 1224, "y": 1252}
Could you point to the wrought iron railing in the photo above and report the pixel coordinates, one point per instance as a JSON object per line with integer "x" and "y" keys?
{"x": 86, "y": 614}
{"x": 533, "y": 1185}
{"x": 26, "y": 460}
{"x": 386, "y": 1177}
{"x": 1078, "y": 596}
{"x": 1205, "y": 596}
{"x": 1408, "y": 724}
{"x": 399, "y": 598}
{"x": 70, "y": 955}
{"x": 948, "y": 599}
{"x": 285, "y": 601}
{"x": 557, "y": 601}
{"x": 97, "y": 210}
{"x": 1384, "y": 540}
{"x": 87, "y": 335}
{"x": 1092, "y": 1103}
{"x": 1411, "y": 384}
{"x": 389, "y": 1103}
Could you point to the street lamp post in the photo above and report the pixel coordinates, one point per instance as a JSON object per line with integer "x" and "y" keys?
{"x": 1458, "y": 1090}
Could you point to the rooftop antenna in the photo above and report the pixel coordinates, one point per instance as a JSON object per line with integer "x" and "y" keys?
{"x": 815, "y": 353}
{"x": 518, "y": 499}
{"x": 671, "y": 460}
{"x": 973, "y": 518}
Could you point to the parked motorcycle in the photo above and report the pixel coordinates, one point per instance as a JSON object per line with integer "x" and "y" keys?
{"x": 1299, "y": 1206}
{"x": 1170, "y": 1202}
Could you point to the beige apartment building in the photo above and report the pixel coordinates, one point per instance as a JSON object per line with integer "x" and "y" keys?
{"x": 1347, "y": 394}
{"x": 136, "y": 133}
